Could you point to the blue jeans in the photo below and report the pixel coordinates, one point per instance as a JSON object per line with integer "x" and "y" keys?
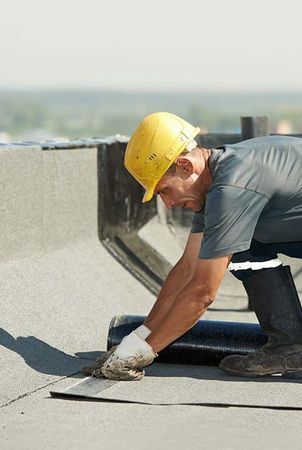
{"x": 262, "y": 256}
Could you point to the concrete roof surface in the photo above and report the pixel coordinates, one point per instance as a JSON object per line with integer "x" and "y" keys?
{"x": 59, "y": 290}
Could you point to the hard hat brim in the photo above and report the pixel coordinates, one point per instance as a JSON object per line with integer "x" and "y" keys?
{"x": 148, "y": 194}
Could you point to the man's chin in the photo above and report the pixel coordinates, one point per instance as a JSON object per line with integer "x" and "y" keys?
{"x": 196, "y": 208}
{"x": 193, "y": 208}
{"x": 188, "y": 206}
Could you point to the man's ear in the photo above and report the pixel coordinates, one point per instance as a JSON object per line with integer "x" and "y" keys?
{"x": 185, "y": 165}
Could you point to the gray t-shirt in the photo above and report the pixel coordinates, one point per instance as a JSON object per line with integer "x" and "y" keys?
{"x": 256, "y": 194}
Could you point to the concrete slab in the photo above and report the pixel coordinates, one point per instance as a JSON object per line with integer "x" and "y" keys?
{"x": 59, "y": 286}
{"x": 57, "y": 306}
{"x": 36, "y": 422}
{"x": 59, "y": 290}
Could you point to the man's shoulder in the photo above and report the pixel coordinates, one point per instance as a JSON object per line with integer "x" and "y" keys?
{"x": 264, "y": 141}
{"x": 248, "y": 164}
{"x": 238, "y": 169}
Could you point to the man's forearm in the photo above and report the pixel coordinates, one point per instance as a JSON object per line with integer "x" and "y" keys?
{"x": 176, "y": 280}
{"x": 187, "y": 309}
{"x": 190, "y": 303}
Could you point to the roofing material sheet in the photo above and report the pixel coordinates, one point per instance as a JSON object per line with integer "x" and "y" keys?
{"x": 170, "y": 384}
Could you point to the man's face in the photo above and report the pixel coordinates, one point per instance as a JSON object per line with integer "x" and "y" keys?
{"x": 180, "y": 191}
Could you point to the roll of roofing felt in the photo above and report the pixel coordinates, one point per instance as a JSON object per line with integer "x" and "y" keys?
{"x": 205, "y": 344}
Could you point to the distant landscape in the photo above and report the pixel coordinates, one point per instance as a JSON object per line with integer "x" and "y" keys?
{"x": 52, "y": 114}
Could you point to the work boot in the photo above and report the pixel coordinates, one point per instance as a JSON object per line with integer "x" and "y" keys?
{"x": 278, "y": 309}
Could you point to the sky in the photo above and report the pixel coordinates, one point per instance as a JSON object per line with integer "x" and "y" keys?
{"x": 225, "y": 45}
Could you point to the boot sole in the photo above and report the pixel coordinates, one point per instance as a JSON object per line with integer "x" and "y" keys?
{"x": 291, "y": 374}
{"x": 294, "y": 375}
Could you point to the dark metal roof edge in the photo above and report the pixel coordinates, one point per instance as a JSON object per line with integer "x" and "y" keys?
{"x": 94, "y": 142}
{"x": 70, "y": 144}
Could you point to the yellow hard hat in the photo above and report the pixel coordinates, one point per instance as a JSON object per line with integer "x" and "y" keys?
{"x": 154, "y": 146}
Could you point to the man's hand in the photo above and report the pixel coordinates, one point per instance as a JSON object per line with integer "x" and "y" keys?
{"x": 95, "y": 368}
{"x": 98, "y": 363}
{"x": 128, "y": 359}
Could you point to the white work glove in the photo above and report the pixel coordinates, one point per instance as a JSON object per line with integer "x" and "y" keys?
{"x": 143, "y": 332}
{"x": 97, "y": 364}
{"x": 128, "y": 359}
{"x": 94, "y": 369}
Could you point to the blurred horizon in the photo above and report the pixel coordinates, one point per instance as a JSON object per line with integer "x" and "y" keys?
{"x": 41, "y": 114}
{"x": 96, "y": 68}
{"x": 156, "y": 89}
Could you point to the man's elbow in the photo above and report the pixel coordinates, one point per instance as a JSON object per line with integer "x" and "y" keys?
{"x": 200, "y": 304}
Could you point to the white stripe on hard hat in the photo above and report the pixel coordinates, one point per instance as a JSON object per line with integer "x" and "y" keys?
{"x": 191, "y": 145}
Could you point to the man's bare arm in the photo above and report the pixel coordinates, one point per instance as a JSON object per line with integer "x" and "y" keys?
{"x": 190, "y": 303}
{"x": 179, "y": 276}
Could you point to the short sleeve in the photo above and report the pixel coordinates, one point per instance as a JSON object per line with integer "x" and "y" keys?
{"x": 230, "y": 219}
{"x": 198, "y": 222}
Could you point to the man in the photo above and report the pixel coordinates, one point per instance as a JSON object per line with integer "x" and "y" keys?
{"x": 247, "y": 200}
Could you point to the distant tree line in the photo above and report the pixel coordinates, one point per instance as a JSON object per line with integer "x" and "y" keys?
{"x": 99, "y": 114}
